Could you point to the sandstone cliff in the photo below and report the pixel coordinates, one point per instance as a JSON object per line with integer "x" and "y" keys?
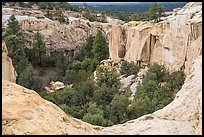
{"x": 175, "y": 42}
{"x": 8, "y": 72}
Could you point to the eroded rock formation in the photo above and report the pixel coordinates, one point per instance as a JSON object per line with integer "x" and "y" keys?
{"x": 175, "y": 42}
{"x": 8, "y": 71}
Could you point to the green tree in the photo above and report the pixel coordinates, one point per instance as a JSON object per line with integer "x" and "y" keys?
{"x": 100, "y": 47}
{"x": 61, "y": 64}
{"x": 13, "y": 27}
{"x": 156, "y": 11}
{"x": 107, "y": 75}
{"x": 14, "y": 40}
{"x": 16, "y": 52}
{"x": 87, "y": 47}
{"x": 60, "y": 16}
{"x": 90, "y": 16}
{"x": 86, "y": 90}
{"x": 39, "y": 50}
{"x": 118, "y": 107}
{"x": 138, "y": 107}
{"x": 29, "y": 79}
{"x": 137, "y": 17}
{"x": 104, "y": 95}
{"x": 89, "y": 64}
{"x": 95, "y": 116}
{"x": 128, "y": 68}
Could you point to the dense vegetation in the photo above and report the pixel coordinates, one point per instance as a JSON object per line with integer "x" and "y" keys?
{"x": 96, "y": 100}
{"x": 128, "y": 68}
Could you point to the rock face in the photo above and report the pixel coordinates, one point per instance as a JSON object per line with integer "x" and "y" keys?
{"x": 175, "y": 42}
{"x": 68, "y": 37}
{"x": 182, "y": 116}
{"x": 8, "y": 72}
{"x": 25, "y": 112}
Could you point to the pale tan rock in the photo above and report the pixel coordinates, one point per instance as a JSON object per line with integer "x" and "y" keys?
{"x": 25, "y": 112}
{"x": 126, "y": 82}
{"x": 56, "y": 85}
{"x": 8, "y": 71}
{"x": 174, "y": 42}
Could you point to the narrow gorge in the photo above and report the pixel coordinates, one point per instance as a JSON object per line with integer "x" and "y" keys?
{"x": 175, "y": 42}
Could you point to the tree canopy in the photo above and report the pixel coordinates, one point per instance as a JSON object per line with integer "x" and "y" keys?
{"x": 100, "y": 47}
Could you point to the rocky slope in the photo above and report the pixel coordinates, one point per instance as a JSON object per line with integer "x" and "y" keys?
{"x": 25, "y": 112}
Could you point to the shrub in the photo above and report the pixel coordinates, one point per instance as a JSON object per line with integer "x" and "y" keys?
{"x": 128, "y": 68}
{"x": 29, "y": 78}
{"x": 89, "y": 64}
{"x": 159, "y": 86}
{"x": 118, "y": 107}
{"x": 107, "y": 75}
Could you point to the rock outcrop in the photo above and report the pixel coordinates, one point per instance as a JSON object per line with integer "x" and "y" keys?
{"x": 8, "y": 71}
{"x": 182, "y": 116}
{"x": 174, "y": 42}
{"x": 25, "y": 112}
{"x": 68, "y": 37}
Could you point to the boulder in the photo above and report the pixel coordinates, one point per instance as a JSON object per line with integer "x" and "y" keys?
{"x": 56, "y": 85}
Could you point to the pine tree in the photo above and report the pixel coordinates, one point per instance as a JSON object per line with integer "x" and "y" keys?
{"x": 13, "y": 26}
{"x": 39, "y": 50}
{"x": 88, "y": 47}
{"x": 14, "y": 40}
{"x": 100, "y": 47}
{"x": 16, "y": 52}
{"x": 29, "y": 78}
{"x": 155, "y": 12}
{"x": 60, "y": 16}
